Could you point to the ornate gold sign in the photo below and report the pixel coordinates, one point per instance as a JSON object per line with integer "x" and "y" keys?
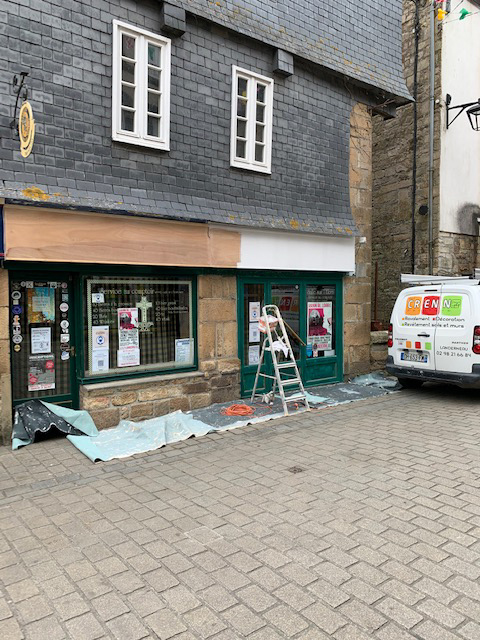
{"x": 26, "y": 129}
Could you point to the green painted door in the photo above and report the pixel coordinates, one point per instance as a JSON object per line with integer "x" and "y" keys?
{"x": 42, "y": 331}
{"x": 312, "y": 309}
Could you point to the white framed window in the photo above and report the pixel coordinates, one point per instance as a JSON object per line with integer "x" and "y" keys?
{"x": 140, "y": 87}
{"x": 251, "y": 128}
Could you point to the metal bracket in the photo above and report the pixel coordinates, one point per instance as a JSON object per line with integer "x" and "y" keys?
{"x": 18, "y": 84}
{"x": 462, "y": 108}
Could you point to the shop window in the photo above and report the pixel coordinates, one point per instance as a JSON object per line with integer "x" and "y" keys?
{"x": 251, "y": 128}
{"x": 320, "y": 321}
{"x": 138, "y": 325}
{"x": 141, "y": 87}
{"x": 253, "y": 302}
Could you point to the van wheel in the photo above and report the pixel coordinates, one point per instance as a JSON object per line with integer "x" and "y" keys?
{"x": 410, "y": 383}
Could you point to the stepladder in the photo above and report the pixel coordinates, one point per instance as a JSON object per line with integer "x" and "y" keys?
{"x": 284, "y": 375}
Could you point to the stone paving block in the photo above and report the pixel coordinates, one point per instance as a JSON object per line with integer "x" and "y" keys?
{"x": 428, "y": 630}
{"x": 267, "y": 633}
{"x": 10, "y": 630}
{"x": 286, "y": 620}
{"x": 445, "y": 616}
{"x": 196, "y": 579}
{"x": 404, "y": 616}
{"x": 362, "y": 615}
{"x": 218, "y": 597}
{"x": 362, "y": 591}
{"x": 33, "y": 609}
{"x": 256, "y": 598}
{"x": 165, "y": 624}
{"x": 324, "y": 617}
{"x": 350, "y": 632}
{"x": 70, "y": 606}
{"x": 391, "y": 632}
{"x": 109, "y": 606}
{"x": 328, "y": 593}
{"x": 470, "y": 631}
{"x": 440, "y": 592}
{"x": 84, "y": 627}
{"x": 145, "y": 602}
{"x": 22, "y": 590}
{"x": 49, "y": 628}
{"x": 125, "y": 582}
{"x": 180, "y": 599}
{"x": 243, "y": 620}
{"x": 128, "y": 626}
{"x": 204, "y": 622}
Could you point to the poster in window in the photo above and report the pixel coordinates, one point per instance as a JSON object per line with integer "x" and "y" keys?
{"x": 127, "y": 328}
{"x": 128, "y": 357}
{"x": 253, "y": 332}
{"x": 100, "y": 337}
{"x": 319, "y": 327}
{"x": 41, "y": 340}
{"x": 184, "y": 350}
{"x": 100, "y": 360}
{"x": 41, "y": 372}
{"x": 254, "y": 311}
{"x": 143, "y": 317}
{"x": 41, "y": 305}
{"x": 254, "y": 354}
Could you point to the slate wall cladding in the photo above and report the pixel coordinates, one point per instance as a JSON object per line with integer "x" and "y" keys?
{"x": 67, "y": 49}
{"x": 360, "y": 39}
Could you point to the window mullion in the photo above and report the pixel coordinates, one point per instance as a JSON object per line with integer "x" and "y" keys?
{"x": 251, "y": 91}
{"x": 142, "y": 87}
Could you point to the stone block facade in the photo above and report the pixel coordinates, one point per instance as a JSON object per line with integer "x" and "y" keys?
{"x": 357, "y": 290}
{"x": 393, "y": 167}
{"x": 378, "y": 350}
{"x": 218, "y": 378}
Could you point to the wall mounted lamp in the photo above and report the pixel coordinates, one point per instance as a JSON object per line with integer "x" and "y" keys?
{"x": 18, "y": 85}
{"x": 472, "y": 109}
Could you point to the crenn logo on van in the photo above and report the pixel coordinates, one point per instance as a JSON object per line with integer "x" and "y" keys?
{"x": 451, "y": 305}
{"x": 430, "y": 305}
{"x": 413, "y": 306}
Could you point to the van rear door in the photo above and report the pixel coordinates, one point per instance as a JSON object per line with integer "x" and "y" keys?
{"x": 414, "y": 323}
{"x": 456, "y": 323}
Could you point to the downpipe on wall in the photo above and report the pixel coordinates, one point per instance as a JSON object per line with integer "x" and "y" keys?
{"x": 431, "y": 133}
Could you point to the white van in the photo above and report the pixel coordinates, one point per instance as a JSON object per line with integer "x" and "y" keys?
{"x": 435, "y": 332}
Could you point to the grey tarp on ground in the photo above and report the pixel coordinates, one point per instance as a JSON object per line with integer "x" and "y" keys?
{"x": 37, "y": 416}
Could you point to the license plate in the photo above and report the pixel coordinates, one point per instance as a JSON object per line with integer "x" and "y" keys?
{"x": 414, "y": 357}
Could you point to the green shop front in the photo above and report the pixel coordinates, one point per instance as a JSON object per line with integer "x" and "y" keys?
{"x": 311, "y": 307}
{"x": 175, "y": 325}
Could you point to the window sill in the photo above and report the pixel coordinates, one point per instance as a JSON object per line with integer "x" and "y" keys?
{"x": 114, "y": 384}
{"x": 141, "y": 142}
{"x": 251, "y": 167}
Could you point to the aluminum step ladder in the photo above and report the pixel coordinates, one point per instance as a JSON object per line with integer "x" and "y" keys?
{"x": 286, "y": 375}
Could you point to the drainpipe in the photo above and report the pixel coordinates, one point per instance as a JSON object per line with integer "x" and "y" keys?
{"x": 431, "y": 140}
{"x": 415, "y": 128}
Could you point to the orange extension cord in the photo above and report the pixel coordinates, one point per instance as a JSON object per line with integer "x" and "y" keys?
{"x": 238, "y": 410}
{"x": 245, "y": 410}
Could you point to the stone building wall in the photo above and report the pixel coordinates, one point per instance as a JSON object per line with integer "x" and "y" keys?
{"x": 217, "y": 380}
{"x": 392, "y": 171}
{"x": 456, "y": 254}
{"x": 357, "y": 290}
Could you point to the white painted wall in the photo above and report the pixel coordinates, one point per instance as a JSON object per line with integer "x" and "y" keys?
{"x": 460, "y": 145}
{"x": 285, "y": 251}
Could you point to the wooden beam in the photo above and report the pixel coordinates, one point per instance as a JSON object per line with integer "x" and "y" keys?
{"x": 55, "y": 235}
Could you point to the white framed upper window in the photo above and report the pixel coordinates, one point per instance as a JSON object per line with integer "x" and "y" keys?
{"x": 140, "y": 87}
{"x": 251, "y": 128}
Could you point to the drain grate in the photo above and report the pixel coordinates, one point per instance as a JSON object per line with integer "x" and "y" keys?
{"x": 295, "y": 470}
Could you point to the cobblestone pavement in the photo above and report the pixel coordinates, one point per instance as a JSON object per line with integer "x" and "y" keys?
{"x": 352, "y": 523}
